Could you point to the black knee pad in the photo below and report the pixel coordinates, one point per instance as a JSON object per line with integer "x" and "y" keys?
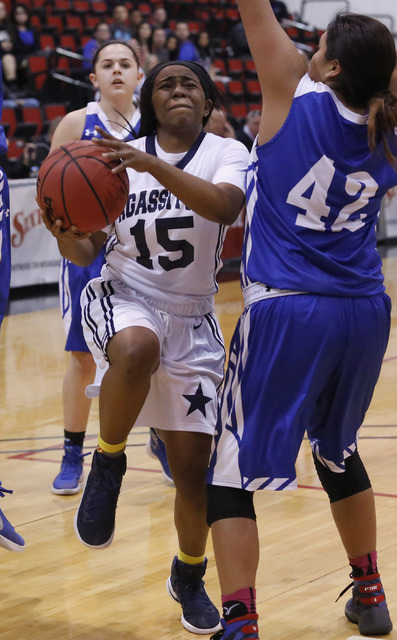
{"x": 343, "y": 485}
{"x": 225, "y": 502}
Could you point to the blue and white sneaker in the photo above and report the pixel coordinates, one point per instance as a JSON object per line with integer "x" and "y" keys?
{"x": 70, "y": 478}
{"x": 155, "y": 448}
{"x": 9, "y": 538}
{"x": 244, "y": 628}
{"x": 186, "y": 586}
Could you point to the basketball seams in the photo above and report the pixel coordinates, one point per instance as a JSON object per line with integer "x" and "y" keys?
{"x": 89, "y": 183}
{"x": 59, "y": 192}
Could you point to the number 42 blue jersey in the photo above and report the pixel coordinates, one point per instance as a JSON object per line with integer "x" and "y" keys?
{"x": 314, "y": 193}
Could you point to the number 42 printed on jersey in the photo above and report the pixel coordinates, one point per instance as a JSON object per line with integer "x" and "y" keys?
{"x": 317, "y": 183}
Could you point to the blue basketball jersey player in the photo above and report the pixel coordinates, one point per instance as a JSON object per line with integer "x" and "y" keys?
{"x": 9, "y": 538}
{"x": 115, "y": 74}
{"x": 308, "y": 348}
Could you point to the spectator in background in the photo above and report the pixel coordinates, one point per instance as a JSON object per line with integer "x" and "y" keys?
{"x": 159, "y": 44}
{"x": 237, "y": 41}
{"x": 151, "y": 61}
{"x": 220, "y": 125}
{"x": 7, "y": 51}
{"x": 144, "y": 37}
{"x": 24, "y": 38}
{"x": 250, "y": 130}
{"x": 205, "y": 51}
{"x": 136, "y": 18}
{"x": 172, "y": 47}
{"x": 121, "y": 28}
{"x": 101, "y": 35}
{"x": 280, "y": 10}
{"x": 187, "y": 50}
{"x": 159, "y": 19}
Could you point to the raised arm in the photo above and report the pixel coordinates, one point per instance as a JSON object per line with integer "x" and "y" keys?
{"x": 278, "y": 63}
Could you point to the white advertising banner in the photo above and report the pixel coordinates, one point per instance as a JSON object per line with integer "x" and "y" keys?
{"x": 34, "y": 252}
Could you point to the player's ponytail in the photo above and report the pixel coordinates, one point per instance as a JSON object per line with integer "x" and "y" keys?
{"x": 382, "y": 122}
{"x": 366, "y": 52}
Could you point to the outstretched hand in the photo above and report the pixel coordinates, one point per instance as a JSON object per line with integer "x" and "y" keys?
{"x": 124, "y": 152}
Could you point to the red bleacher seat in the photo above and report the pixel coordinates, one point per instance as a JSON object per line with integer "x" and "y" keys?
{"x": 32, "y": 115}
{"x": 63, "y": 65}
{"x": 238, "y": 110}
{"x": 90, "y": 23}
{"x": 38, "y": 72}
{"x": 220, "y": 84}
{"x": 235, "y": 89}
{"x": 10, "y": 120}
{"x": 36, "y": 21}
{"x": 232, "y": 15}
{"x": 73, "y": 23}
{"x": 81, "y": 6}
{"x": 250, "y": 68}
{"x": 254, "y": 106}
{"x": 55, "y": 22}
{"x": 15, "y": 148}
{"x": 145, "y": 9}
{"x": 99, "y": 8}
{"x": 253, "y": 90}
{"x": 194, "y": 27}
{"x": 52, "y": 111}
{"x": 47, "y": 41}
{"x": 219, "y": 64}
{"x": 235, "y": 67}
{"x": 69, "y": 41}
{"x": 59, "y": 6}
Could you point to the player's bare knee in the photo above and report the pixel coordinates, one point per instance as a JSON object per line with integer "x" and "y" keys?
{"x": 137, "y": 353}
{"x": 339, "y": 486}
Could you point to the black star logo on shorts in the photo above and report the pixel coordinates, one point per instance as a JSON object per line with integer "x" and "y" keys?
{"x": 198, "y": 401}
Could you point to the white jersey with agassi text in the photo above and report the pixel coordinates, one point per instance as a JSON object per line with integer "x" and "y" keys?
{"x": 163, "y": 249}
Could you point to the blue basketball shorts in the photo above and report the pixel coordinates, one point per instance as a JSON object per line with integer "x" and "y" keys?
{"x": 72, "y": 280}
{"x": 297, "y": 363}
{"x": 5, "y": 246}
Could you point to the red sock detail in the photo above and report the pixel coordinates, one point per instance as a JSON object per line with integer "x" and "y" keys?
{"x": 364, "y": 565}
{"x": 247, "y": 596}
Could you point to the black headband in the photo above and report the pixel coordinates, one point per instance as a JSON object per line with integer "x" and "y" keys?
{"x": 198, "y": 70}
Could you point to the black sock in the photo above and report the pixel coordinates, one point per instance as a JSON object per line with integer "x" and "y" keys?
{"x": 234, "y": 609}
{"x": 75, "y": 437}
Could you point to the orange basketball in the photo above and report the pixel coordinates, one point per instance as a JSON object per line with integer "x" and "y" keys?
{"x": 75, "y": 184}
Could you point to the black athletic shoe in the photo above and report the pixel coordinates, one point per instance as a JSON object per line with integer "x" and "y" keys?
{"x": 368, "y": 607}
{"x": 95, "y": 517}
{"x": 186, "y": 586}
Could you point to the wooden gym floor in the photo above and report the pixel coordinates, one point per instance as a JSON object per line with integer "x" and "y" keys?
{"x": 57, "y": 589}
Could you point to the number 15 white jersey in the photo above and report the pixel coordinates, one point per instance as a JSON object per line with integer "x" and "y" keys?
{"x": 163, "y": 249}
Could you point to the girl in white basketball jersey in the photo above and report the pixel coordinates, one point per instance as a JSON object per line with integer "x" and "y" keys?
{"x": 149, "y": 319}
{"x": 308, "y": 348}
{"x": 115, "y": 74}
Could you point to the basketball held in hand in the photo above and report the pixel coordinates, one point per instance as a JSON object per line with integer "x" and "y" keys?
{"x": 75, "y": 184}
